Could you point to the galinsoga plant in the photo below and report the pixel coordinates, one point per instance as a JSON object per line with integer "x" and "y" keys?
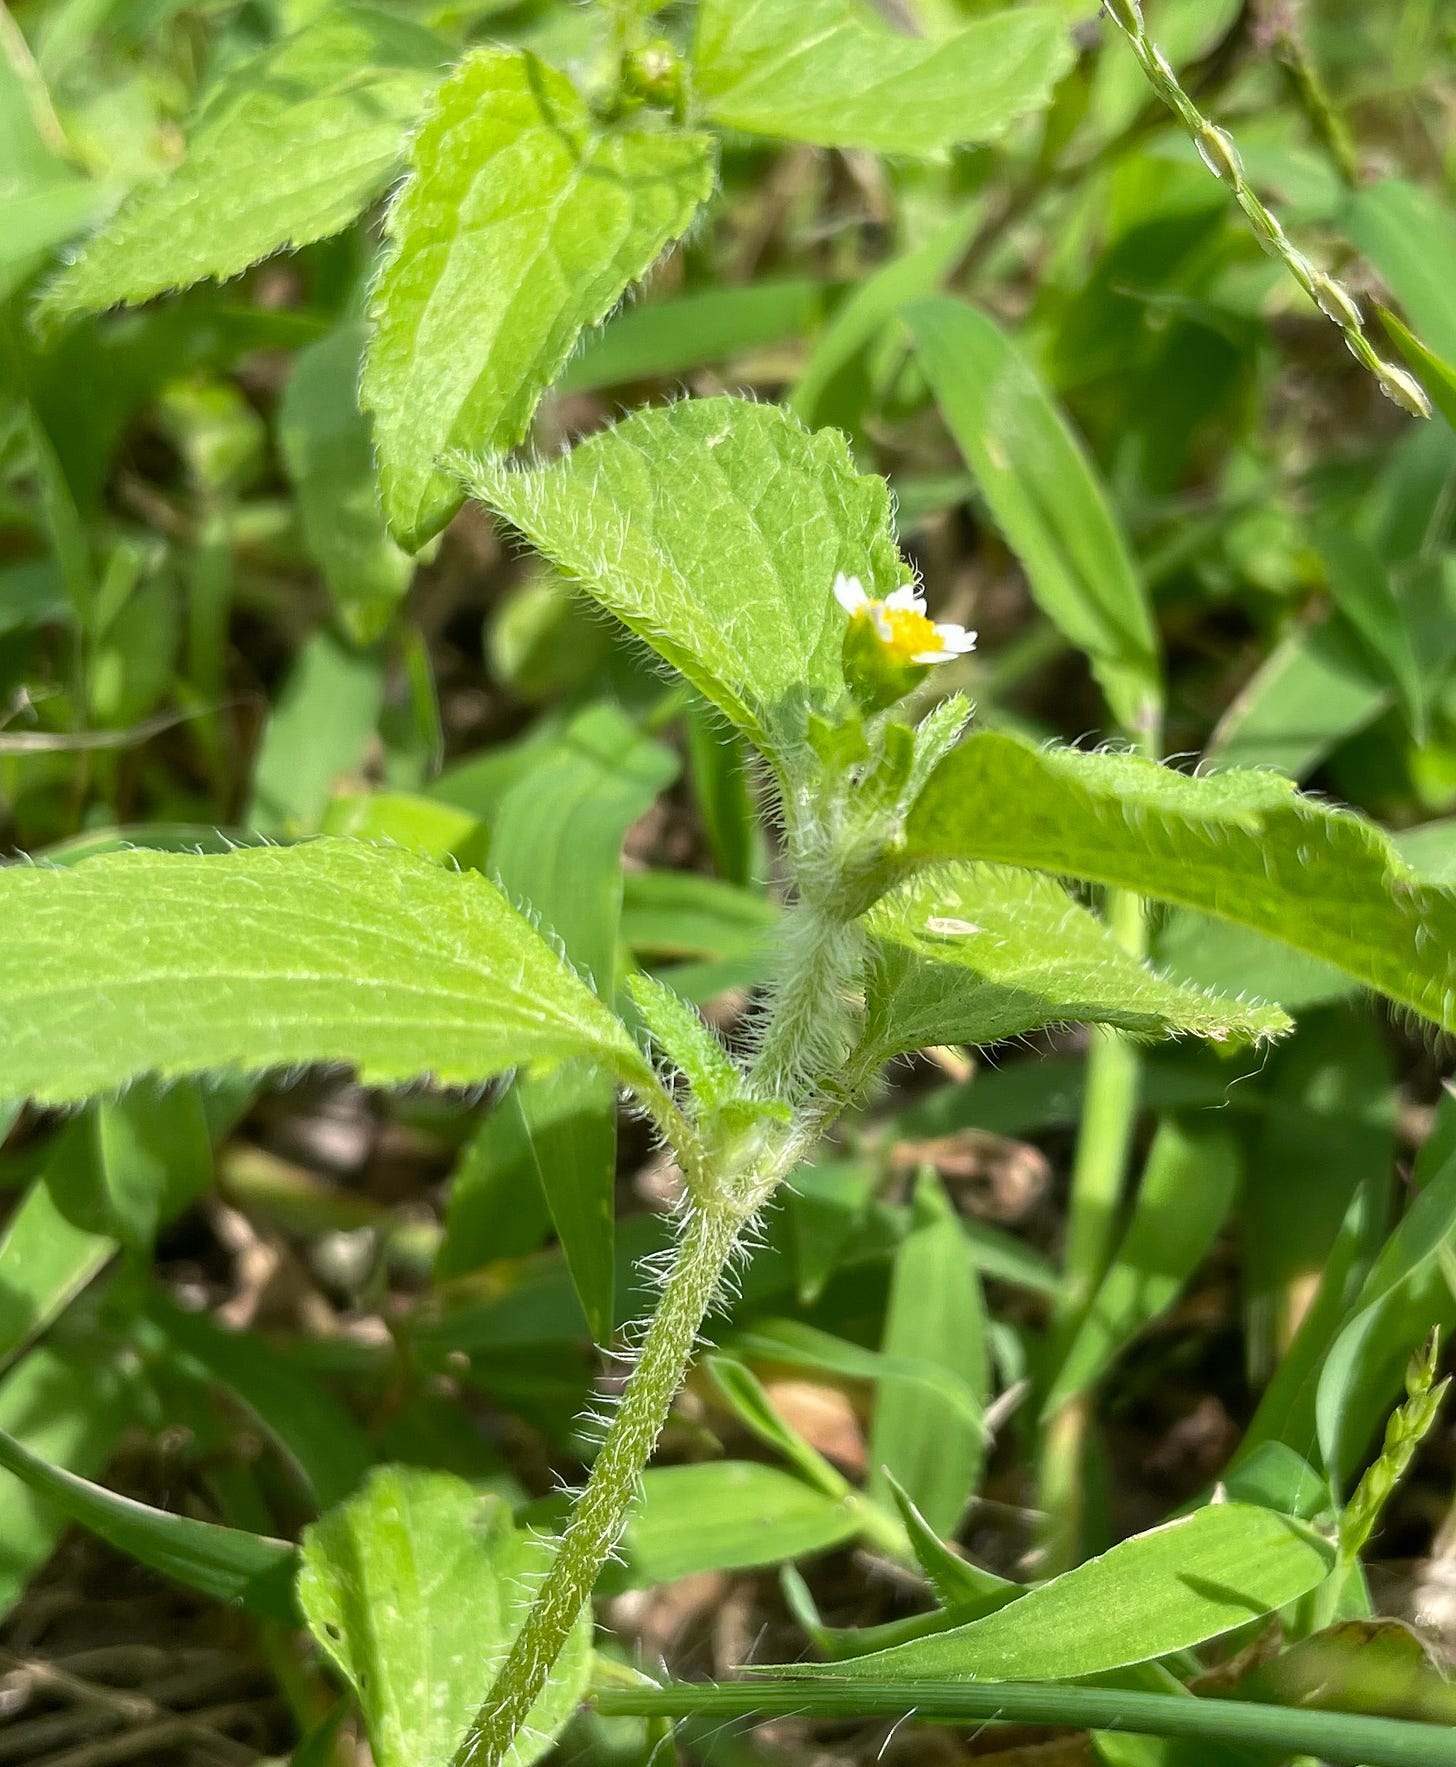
{"x": 923, "y": 869}
{"x": 925, "y": 864}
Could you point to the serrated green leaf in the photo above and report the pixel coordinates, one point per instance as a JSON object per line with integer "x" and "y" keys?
{"x": 1244, "y": 846}
{"x": 714, "y": 529}
{"x": 832, "y": 72}
{"x": 523, "y": 222}
{"x": 1167, "y": 1590}
{"x": 679, "y": 1031}
{"x": 415, "y": 1587}
{"x": 1045, "y": 497}
{"x": 225, "y": 1563}
{"x": 289, "y": 148}
{"x": 977, "y": 953}
{"x": 324, "y": 439}
{"x": 118, "y": 967}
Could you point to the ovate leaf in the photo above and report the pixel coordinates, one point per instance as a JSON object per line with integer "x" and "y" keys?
{"x": 833, "y": 72}
{"x": 415, "y": 1587}
{"x": 714, "y": 529}
{"x": 977, "y": 953}
{"x": 1167, "y": 1590}
{"x": 1045, "y": 497}
{"x": 523, "y": 221}
{"x": 169, "y": 964}
{"x": 1244, "y": 846}
{"x": 288, "y": 148}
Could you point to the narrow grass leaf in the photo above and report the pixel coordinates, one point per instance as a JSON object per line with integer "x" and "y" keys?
{"x": 1361, "y": 587}
{"x": 46, "y": 1258}
{"x": 324, "y": 440}
{"x": 1314, "y": 689}
{"x": 556, "y": 844}
{"x": 728, "y": 1515}
{"x": 1363, "y": 1370}
{"x": 335, "y": 952}
{"x": 225, "y": 1563}
{"x": 1409, "y": 234}
{"x": 289, "y": 147}
{"x": 318, "y": 732}
{"x": 1045, "y": 497}
{"x": 832, "y": 72}
{"x": 1341, "y": 1738}
{"x": 830, "y": 390}
{"x": 1164, "y": 1591}
{"x": 1243, "y": 846}
{"x": 935, "y": 1314}
{"x": 663, "y": 338}
{"x": 68, "y": 1406}
{"x": 1187, "y": 1189}
{"x": 523, "y": 221}
{"x": 301, "y": 1415}
{"x": 745, "y": 1395}
{"x": 956, "y": 1581}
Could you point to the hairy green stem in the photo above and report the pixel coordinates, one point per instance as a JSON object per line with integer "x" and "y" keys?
{"x": 1223, "y": 159}
{"x": 809, "y": 1030}
{"x": 1337, "y": 1737}
{"x": 601, "y": 1512}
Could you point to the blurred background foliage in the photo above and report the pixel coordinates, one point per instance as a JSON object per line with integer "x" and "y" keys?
{"x": 232, "y": 1300}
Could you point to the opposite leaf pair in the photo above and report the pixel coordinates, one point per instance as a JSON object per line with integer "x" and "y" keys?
{"x": 527, "y": 211}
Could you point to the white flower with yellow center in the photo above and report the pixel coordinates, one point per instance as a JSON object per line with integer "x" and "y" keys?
{"x": 901, "y": 623}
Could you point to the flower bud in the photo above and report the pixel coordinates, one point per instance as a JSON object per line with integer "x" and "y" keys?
{"x": 877, "y": 673}
{"x": 653, "y": 73}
